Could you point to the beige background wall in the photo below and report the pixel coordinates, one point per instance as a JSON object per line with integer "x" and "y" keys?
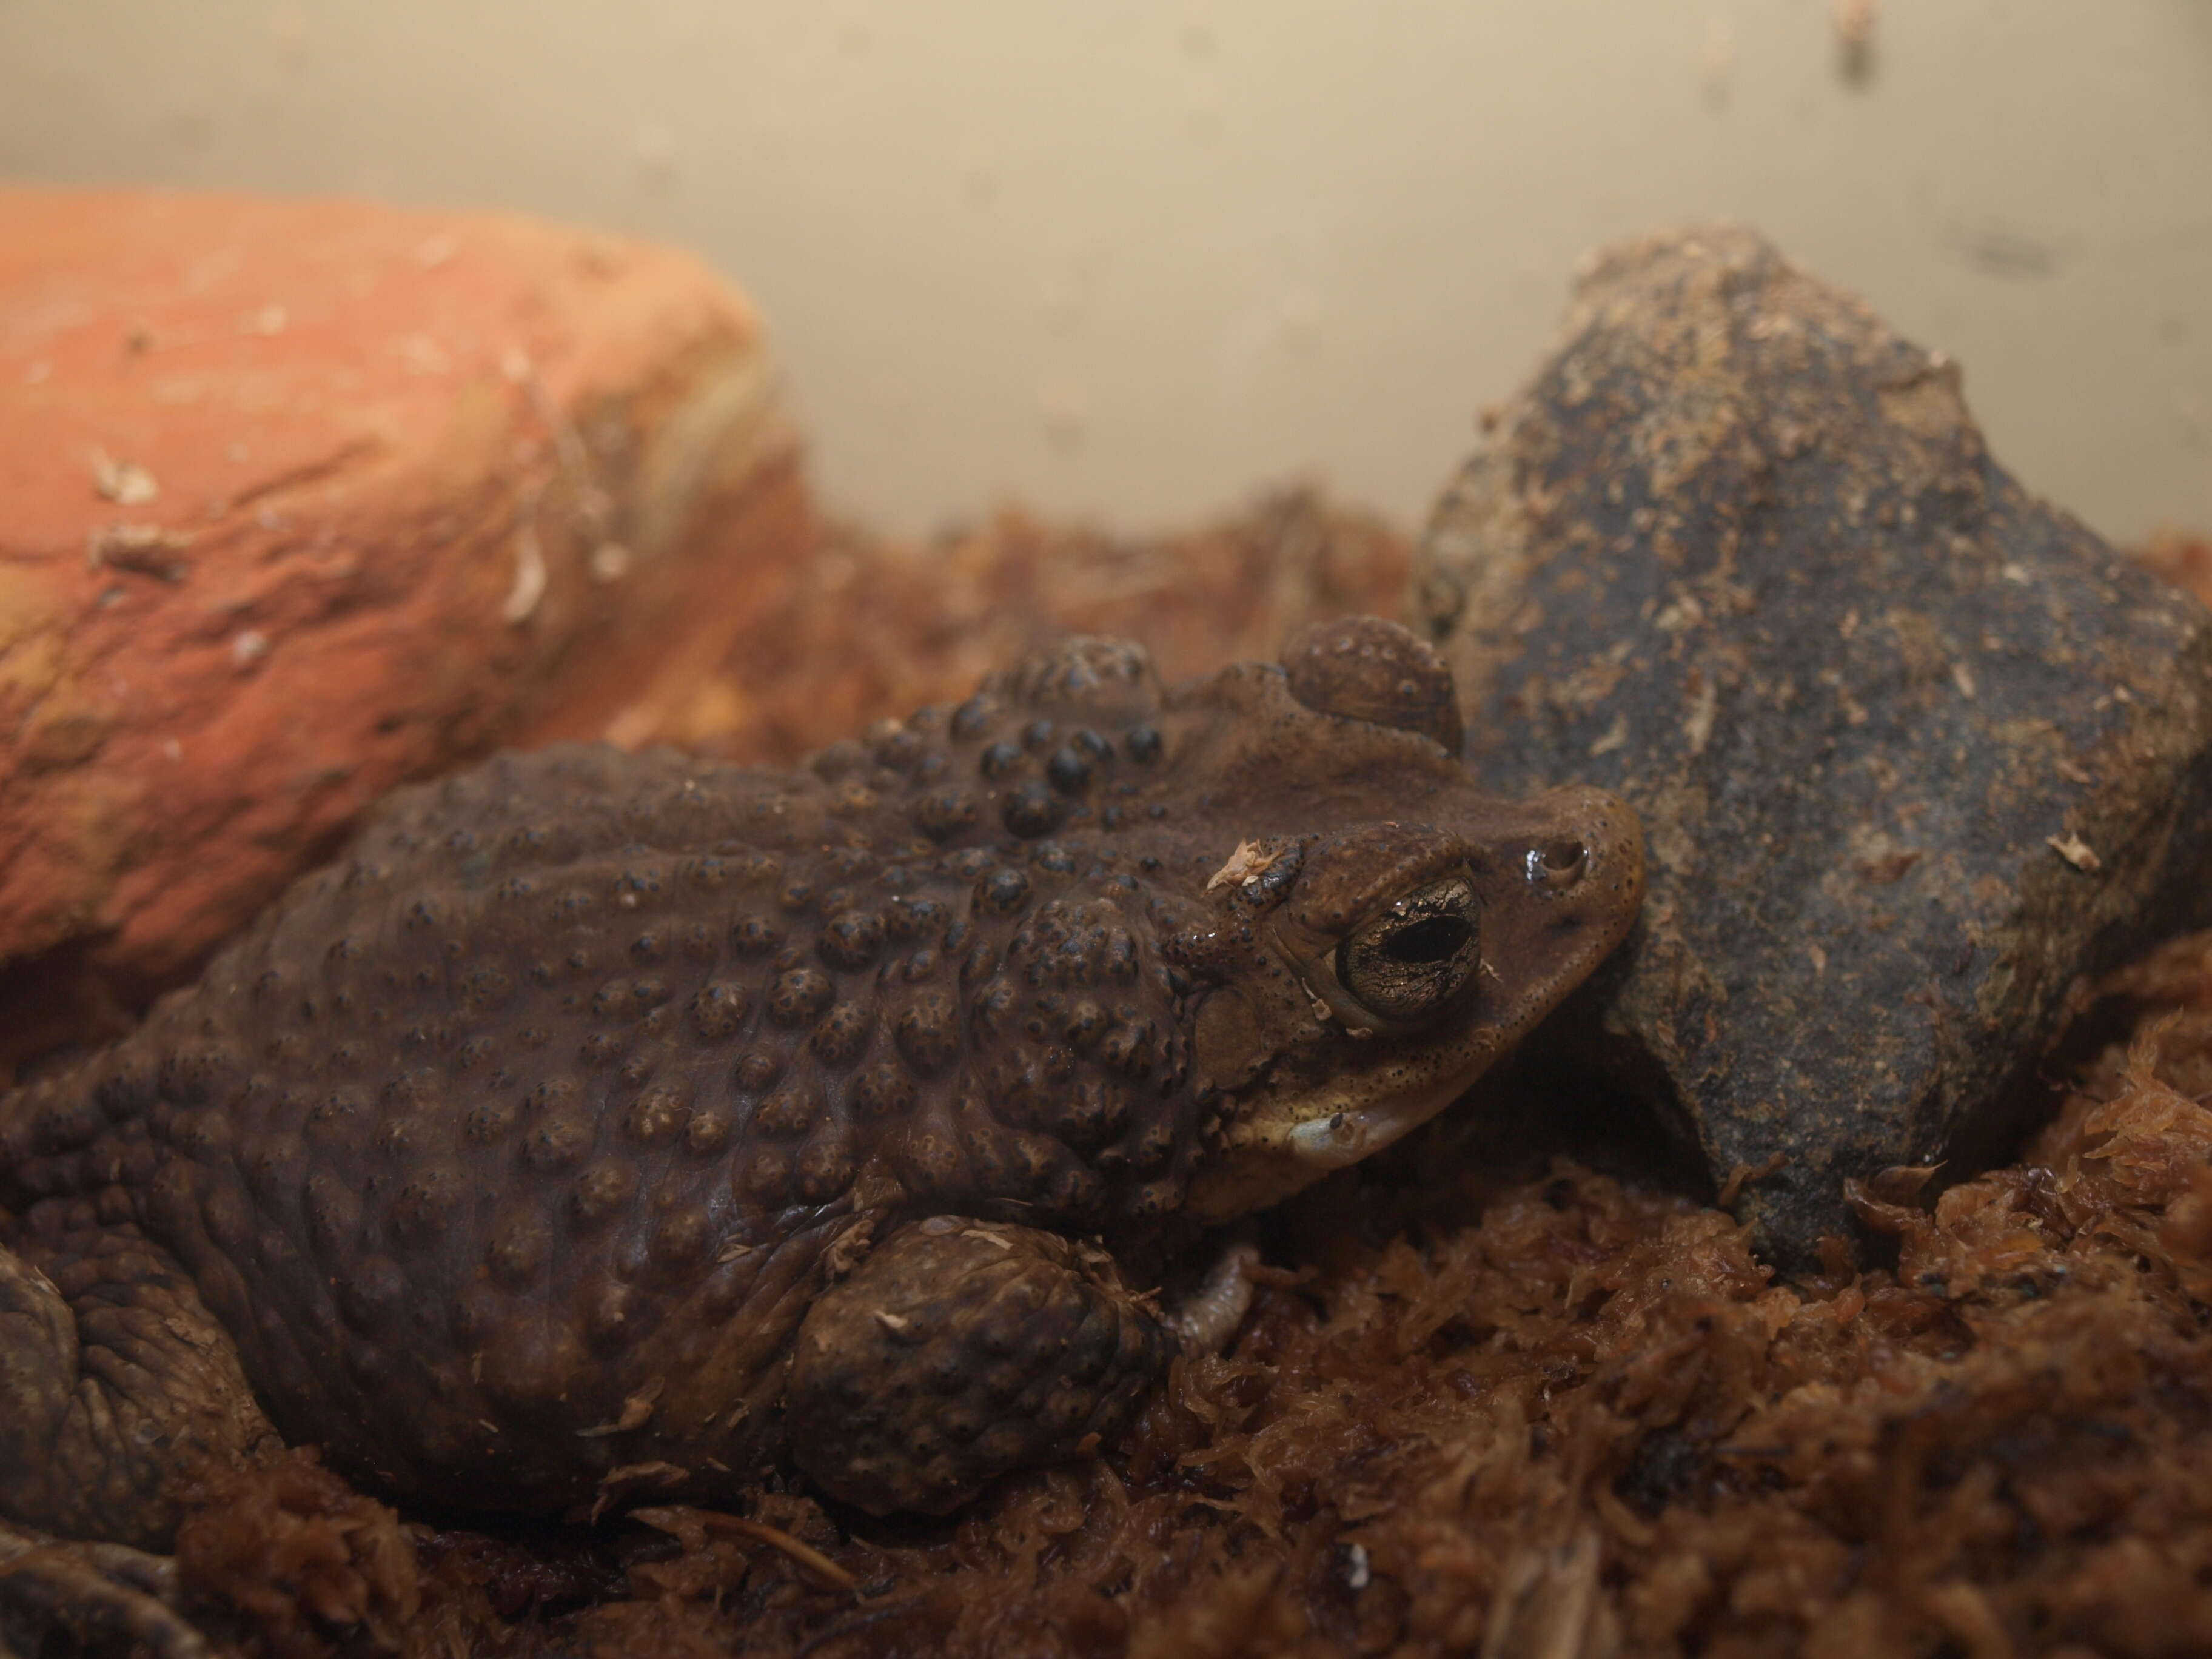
{"x": 1136, "y": 256}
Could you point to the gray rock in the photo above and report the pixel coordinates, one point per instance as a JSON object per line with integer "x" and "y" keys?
{"x": 1914, "y": 750}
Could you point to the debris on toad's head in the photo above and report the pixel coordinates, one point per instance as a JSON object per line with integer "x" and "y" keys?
{"x": 1915, "y": 751}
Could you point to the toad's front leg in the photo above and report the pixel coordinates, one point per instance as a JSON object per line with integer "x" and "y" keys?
{"x": 960, "y": 1351}
{"x": 116, "y": 1386}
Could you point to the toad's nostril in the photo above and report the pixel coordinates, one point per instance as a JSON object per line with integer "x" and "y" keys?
{"x": 1559, "y": 864}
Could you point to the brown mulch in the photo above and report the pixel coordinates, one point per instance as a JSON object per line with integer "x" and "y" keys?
{"x": 881, "y": 623}
{"x": 1524, "y": 1412}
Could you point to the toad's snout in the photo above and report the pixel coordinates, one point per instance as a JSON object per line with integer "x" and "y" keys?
{"x": 1589, "y": 858}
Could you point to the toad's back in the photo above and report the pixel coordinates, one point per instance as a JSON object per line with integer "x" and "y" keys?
{"x": 549, "y": 1099}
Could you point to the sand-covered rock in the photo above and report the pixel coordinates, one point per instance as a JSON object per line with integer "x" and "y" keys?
{"x": 1914, "y": 750}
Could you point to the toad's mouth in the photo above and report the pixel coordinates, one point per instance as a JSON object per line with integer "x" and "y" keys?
{"x": 1295, "y": 1144}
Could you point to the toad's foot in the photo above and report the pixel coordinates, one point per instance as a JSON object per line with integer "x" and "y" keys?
{"x": 960, "y": 1351}
{"x": 1210, "y": 1317}
{"x": 116, "y": 1386}
{"x": 103, "y": 1597}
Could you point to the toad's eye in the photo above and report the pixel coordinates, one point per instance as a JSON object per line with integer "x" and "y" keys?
{"x": 1406, "y": 963}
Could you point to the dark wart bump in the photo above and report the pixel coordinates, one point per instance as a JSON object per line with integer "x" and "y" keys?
{"x": 518, "y": 1250}
{"x": 943, "y": 813}
{"x": 1141, "y": 744}
{"x": 928, "y": 1032}
{"x": 370, "y": 1294}
{"x": 906, "y": 920}
{"x": 1094, "y": 1112}
{"x": 602, "y": 1190}
{"x": 897, "y": 749}
{"x": 799, "y": 996}
{"x": 851, "y": 940}
{"x": 557, "y": 1142}
{"x": 609, "y": 1314}
{"x": 489, "y": 1120}
{"x": 999, "y": 759}
{"x": 754, "y": 936}
{"x": 719, "y": 1009}
{"x": 883, "y": 1090}
{"x": 622, "y": 998}
{"x": 842, "y": 1034}
{"x": 826, "y": 1165}
{"x": 707, "y": 1130}
{"x": 1003, "y": 890}
{"x": 423, "y": 1207}
{"x": 333, "y": 1213}
{"x": 681, "y": 1239}
{"x": 994, "y": 1006}
{"x": 972, "y": 717}
{"x": 1157, "y": 1198}
{"x": 765, "y": 1175}
{"x": 656, "y": 1117}
{"x": 840, "y": 760}
{"x": 1037, "y": 734}
{"x": 759, "y": 1068}
{"x": 1067, "y": 771}
{"x": 788, "y": 1112}
{"x": 1033, "y": 810}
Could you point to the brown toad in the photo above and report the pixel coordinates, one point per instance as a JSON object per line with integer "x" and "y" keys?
{"x": 607, "y": 1127}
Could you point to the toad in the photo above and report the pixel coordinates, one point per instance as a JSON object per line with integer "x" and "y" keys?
{"x": 606, "y": 1129}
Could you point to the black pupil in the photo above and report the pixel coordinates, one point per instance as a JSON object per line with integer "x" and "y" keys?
{"x": 1432, "y": 939}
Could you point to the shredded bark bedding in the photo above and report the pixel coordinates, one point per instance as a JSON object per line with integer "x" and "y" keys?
{"x": 1479, "y": 1409}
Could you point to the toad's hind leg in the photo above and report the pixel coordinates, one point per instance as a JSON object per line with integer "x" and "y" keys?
{"x": 116, "y": 1385}
{"x": 960, "y": 1351}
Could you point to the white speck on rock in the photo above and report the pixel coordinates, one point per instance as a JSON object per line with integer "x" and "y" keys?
{"x": 529, "y": 572}
{"x": 2075, "y": 851}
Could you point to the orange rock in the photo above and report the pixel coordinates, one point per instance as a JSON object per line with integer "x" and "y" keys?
{"x": 301, "y": 499}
